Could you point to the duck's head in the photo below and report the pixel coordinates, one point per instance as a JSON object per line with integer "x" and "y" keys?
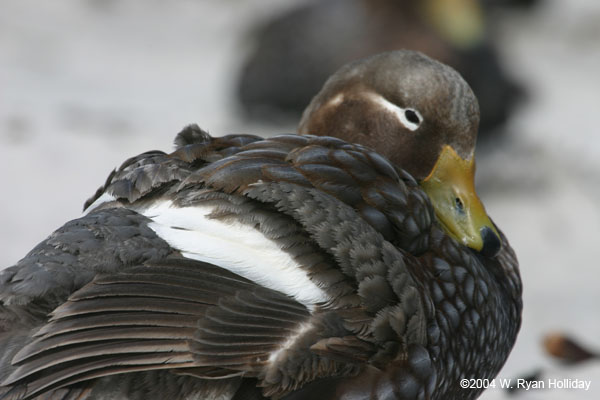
{"x": 423, "y": 117}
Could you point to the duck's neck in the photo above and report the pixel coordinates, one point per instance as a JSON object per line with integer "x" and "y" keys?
{"x": 478, "y": 303}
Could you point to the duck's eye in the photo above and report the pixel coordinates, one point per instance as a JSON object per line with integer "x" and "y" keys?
{"x": 459, "y": 204}
{"x": 412, "y": 116}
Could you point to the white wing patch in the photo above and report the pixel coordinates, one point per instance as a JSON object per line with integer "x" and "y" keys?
{"x": 234, "y": 246}
{"x": 399, "y": 112}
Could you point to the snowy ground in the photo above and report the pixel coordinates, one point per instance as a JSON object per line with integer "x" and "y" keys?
{"x": 86, "y": 84}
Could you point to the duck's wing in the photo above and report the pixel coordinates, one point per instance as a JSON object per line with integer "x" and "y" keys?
{"x": 177, "y": 314}
{"x": 183, "y": 314}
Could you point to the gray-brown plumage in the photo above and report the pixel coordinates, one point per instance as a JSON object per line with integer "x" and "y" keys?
{"x": 115, "y": 305}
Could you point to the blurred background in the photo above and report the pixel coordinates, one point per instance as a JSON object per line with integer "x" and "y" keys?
{"x": 86, "y": 84}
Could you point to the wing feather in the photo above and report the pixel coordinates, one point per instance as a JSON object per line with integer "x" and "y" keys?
{"x": 176, "y": 314}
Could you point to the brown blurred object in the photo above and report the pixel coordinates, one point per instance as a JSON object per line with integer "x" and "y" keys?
{"x": 297, "y": 51}
{"x": 566, "y": 349}
{"x": 561, "y": 347}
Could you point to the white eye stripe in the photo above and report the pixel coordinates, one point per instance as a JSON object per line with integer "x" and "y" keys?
{"x": 399, "y": 112}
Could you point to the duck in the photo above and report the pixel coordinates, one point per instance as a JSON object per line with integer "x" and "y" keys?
{"x": 352, "y": 261}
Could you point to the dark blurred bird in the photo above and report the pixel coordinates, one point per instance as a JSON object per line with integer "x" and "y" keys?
{"x": 294, "y": 267}
{"x": 296, "y": 52}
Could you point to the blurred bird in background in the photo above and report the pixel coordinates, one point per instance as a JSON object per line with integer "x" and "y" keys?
{"x": 296, "y": 51}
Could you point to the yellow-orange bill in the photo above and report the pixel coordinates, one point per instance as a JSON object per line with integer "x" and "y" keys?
{"x": 451, "y": 188}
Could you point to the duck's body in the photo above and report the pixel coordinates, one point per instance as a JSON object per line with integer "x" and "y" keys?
{"x": 294, "y": 267}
